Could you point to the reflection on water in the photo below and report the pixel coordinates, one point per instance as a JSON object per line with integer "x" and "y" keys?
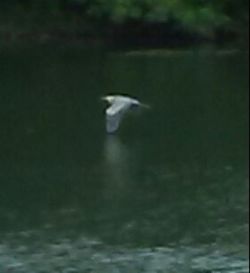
{"x": 117, "y": 170}
{"x": 117, "y": 162}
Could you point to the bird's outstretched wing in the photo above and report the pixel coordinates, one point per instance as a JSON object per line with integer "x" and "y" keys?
{"x": 114, "y": 115}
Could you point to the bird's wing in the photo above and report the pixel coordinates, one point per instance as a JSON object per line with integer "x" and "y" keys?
{"x": 114, "y": 115}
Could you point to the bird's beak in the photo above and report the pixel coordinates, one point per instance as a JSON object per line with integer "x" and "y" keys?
{"x": 103, "y": 99}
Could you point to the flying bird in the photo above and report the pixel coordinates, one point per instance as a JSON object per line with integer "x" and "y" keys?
{"x": 118, "y": 106}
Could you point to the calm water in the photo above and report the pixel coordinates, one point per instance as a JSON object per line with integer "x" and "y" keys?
{"x": 167, "y": 193}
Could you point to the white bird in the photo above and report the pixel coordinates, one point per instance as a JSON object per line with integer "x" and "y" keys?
{"x": 118, "y": 105}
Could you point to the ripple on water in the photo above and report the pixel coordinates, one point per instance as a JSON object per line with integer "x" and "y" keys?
{"x": 90, "y": 255}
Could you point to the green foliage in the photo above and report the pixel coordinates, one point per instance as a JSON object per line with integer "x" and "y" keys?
{"x": 199, "y": 16}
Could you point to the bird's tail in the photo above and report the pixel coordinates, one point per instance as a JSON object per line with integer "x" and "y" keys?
{"x": 145, "y": 106}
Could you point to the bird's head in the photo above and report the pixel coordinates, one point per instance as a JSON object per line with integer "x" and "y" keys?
{"x": 109, "y": 99}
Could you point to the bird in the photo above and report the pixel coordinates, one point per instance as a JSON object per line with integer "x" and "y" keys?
{"x": 118, "y": 106}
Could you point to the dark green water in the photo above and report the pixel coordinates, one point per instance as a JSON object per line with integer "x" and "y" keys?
{"x": 172, "y": 185}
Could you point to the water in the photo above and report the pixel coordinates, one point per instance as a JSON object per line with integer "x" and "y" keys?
{"x": 168, "y": 193}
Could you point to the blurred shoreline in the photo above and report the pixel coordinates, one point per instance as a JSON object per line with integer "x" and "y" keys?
{"x": 21, "y": 29}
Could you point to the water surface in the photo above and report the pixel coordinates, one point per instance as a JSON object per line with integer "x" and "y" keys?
{"x": 168, "y": 192}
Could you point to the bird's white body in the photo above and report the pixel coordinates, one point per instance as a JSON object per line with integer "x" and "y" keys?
{"x": 118, "y": 105}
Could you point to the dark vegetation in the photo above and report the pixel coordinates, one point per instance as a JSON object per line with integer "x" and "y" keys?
{"x": 153, "y": 22}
